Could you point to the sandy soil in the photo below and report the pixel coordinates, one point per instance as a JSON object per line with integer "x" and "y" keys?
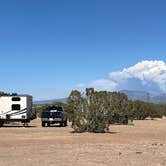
{"x": 140, "y": 145}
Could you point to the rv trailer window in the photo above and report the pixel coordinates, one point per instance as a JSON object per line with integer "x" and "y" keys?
{"x": 16, "y": 99}
{"x": 15, "y": 106}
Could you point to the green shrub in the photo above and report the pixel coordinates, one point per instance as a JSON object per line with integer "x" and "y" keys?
{"x": 95, "y": 111}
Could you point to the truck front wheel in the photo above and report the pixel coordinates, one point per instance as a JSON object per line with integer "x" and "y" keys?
{"x": 43, "y": 124}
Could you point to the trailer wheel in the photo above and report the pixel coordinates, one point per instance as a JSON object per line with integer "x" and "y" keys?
{"x": 25, "y": 124}
{"x": 1, "y": 124}
{"x": 43, "y": 124}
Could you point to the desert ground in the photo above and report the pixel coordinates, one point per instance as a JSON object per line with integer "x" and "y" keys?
{"x": 143, "y": 143}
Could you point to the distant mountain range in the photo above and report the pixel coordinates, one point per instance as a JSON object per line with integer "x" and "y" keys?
{"x": 132, "y": 95}
{"x": 145, "y": 96}
{"x": 63, "y": 100}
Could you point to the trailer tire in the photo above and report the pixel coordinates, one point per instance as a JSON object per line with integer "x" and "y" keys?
{"x": 1, "y": 124}
{"x": 25, "y": 124}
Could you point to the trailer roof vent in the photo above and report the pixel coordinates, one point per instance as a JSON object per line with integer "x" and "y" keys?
{"x": 16, "y": 98}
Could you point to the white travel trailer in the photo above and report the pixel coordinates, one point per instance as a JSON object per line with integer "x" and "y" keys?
{"x": 16, "y": 108}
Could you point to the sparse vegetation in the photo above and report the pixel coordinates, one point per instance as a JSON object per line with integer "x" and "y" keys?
{"x": 95, "y": 111}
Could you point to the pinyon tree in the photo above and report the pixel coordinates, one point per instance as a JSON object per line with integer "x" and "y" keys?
{"x": 95, "y": 111}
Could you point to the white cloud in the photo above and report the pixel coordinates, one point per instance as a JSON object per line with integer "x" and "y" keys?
{"x": 104, "y": 84}
{"x": 145, "y": 75}
{"x": 81, "y": 85}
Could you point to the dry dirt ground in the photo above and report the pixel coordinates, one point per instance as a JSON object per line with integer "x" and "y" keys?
{"x": 143, "y": 144}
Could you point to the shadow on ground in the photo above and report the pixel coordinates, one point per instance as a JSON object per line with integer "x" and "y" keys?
{"x": 109, "y": 132}
{"x": 17, "y": 126}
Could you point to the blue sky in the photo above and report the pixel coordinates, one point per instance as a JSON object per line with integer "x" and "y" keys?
{"x": 47, "y": 48}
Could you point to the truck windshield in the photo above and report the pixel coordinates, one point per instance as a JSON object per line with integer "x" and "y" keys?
{"x": 55, "y": 108}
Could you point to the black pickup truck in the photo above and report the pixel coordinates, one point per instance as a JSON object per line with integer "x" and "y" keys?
{"x": 52, "y": 115}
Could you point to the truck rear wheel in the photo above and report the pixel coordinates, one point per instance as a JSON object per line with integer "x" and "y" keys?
{"x": 65, "y": 123}
{"x": 61, "y": 124}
